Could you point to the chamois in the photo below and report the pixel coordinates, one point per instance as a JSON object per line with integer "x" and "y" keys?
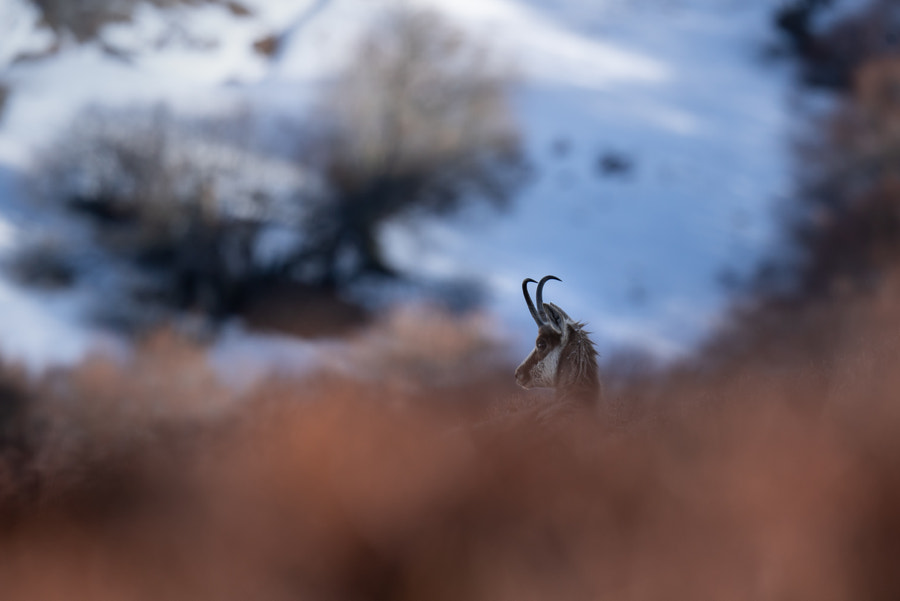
{"x": 564, "y": 357}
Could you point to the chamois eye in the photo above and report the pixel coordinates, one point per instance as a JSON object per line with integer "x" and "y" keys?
{"x": 541, "y": 345}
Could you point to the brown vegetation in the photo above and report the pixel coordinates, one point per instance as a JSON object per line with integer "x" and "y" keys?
{"x": 769, "y": 475}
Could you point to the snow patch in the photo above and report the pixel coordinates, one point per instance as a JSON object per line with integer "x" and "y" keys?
{"x": 19, "y": 31}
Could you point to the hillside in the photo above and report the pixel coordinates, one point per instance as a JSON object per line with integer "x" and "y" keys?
{"x": 656, "y": 130}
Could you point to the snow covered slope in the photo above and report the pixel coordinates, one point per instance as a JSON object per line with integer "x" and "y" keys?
{"x": 700, "y": 121}
{"x": 655, "y": 128}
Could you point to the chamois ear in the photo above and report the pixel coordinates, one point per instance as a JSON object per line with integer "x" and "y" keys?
{"x": 558, "y": 317}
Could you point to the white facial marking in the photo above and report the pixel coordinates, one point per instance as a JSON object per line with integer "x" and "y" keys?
{"x": 544, "y": 373}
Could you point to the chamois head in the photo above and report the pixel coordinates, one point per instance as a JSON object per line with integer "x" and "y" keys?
{"x": 564, "y": 358}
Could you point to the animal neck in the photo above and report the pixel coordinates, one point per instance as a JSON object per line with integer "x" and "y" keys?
{"x": 578, "y": 378}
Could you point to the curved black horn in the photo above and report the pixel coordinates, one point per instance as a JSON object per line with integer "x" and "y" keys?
{"x": 539, "y": 296}
{"x": 529, "y": 302}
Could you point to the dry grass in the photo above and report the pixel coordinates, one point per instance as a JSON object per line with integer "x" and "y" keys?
{"x": 766, "y": 476}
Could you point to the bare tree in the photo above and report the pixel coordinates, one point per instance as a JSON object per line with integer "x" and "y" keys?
{"x": 419, "y": 123}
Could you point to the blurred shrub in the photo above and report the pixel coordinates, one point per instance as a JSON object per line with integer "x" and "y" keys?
{"x": 796, "y": 20}
{"x": 832, "y": 49}
{"x": 421, "y": 348}
{"x": 845, "y": 226}
{"x": 175, "y": 211}
{"x": 268, "y": 45}
{"x": 16, "y": 437}
{"x": 106, "y": 404}
{"x": 85, "y": 18}
{"x": 43, "y": 263}
{"x": 419, "y": 124}
{"x": 4, "y": 95}
{"x": 238, "y": 9}
{"x": 843, "y": 230}
{"x": 13, "y": 394}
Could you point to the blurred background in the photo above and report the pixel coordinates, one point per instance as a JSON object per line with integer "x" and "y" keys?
{"x": 230, "y": 167}
{"x": 234, "y": 164}
{"x": 235, "y": 234}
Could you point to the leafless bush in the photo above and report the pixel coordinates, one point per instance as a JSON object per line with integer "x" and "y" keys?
{"x": 832, "y": 53}
{"x": 4, "y": 95}
{"x": 418, "y": 124}
{"x": 174, "y": 209}
{"x": 41, "y": 264}
{"x": 238, "y": 9}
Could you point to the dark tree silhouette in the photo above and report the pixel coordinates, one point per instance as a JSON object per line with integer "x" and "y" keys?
{"x": 831, "y": 49}
{"x": 843, "y": 227}
{"x": 175, "y": 211}
{"x": 848, "y": 227}
{"x": 796, "y": 21}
